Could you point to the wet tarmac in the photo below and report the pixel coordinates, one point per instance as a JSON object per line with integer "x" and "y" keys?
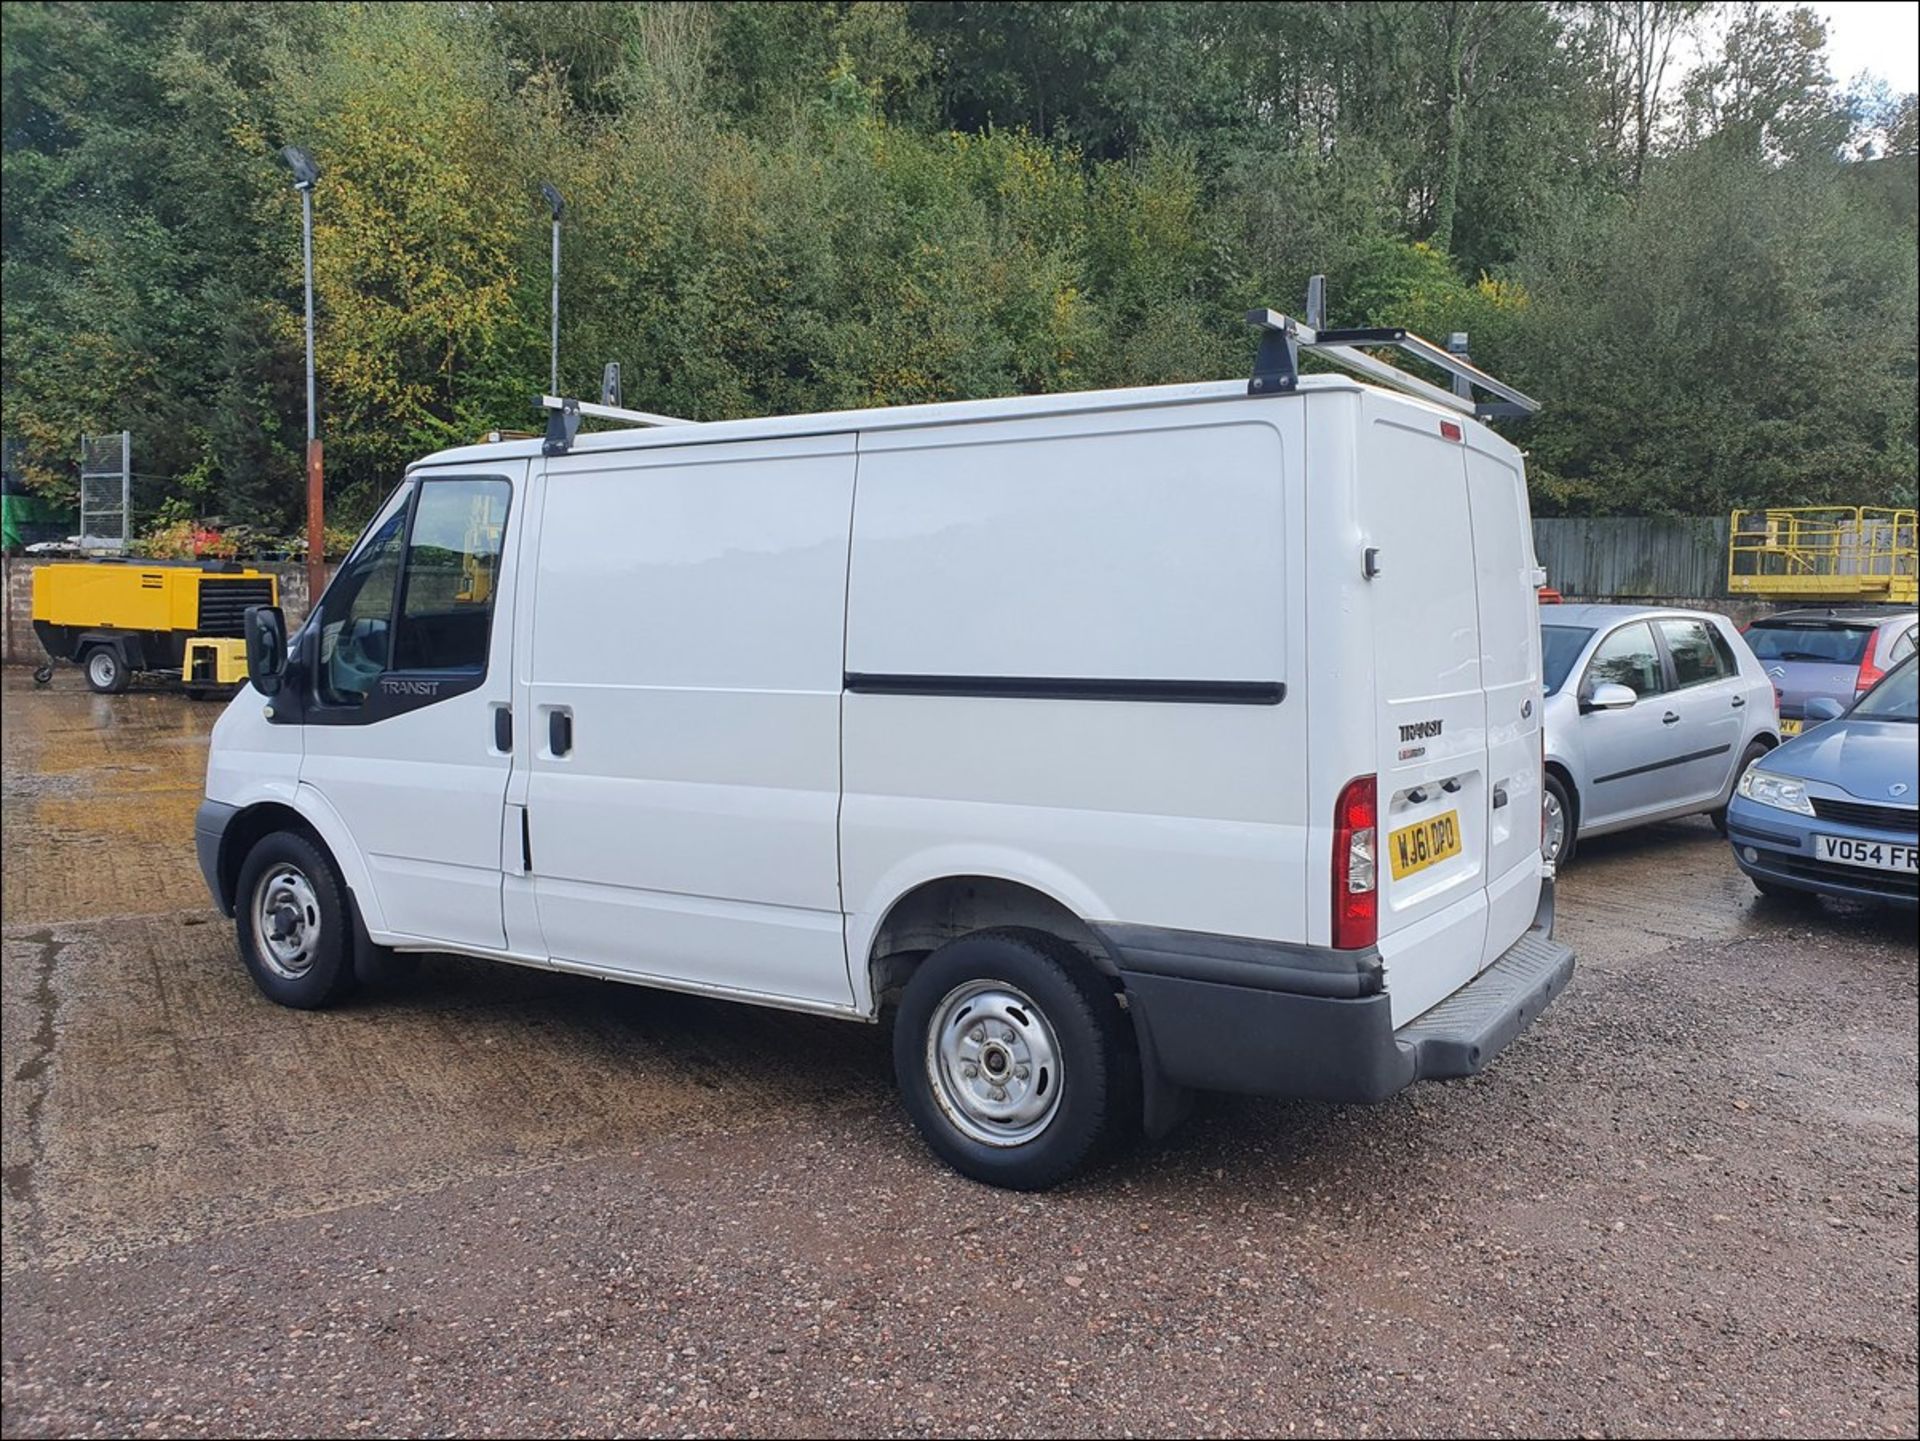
{"x": 501, "y": 1201}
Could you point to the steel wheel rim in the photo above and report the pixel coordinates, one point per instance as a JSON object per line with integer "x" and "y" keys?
{"x": 994, "y": 1063}
{"x": 286, "y": 922}
{"x": 101, "y": 668}
{"x": 1556, "y": 828}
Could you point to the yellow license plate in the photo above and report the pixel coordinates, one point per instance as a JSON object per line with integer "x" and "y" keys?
{"x": 1424, "y": 843}
{"x": 1789, "y": 727}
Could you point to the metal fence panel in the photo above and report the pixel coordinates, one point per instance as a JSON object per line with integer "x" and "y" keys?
{"x": 1667, "y": 557}
{"x": 106, "y": 490}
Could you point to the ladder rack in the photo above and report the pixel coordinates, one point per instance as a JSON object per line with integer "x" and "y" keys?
{"x": 1276, "y": 369}
{"x": 564, "y": 413}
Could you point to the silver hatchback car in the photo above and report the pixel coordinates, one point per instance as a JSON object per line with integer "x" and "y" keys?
{"x": 1650, "y": 714}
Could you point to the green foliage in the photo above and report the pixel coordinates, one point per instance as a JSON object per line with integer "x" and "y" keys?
{"x": 828, "y": 204}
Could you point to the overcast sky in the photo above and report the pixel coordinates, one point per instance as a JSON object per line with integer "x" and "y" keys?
{"x": 1880, "y": 36}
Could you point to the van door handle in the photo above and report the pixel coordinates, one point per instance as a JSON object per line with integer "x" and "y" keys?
{"x": 1669, "y": 719}
{"x": 559, "y": 732}
{"x": 502, "y": 728}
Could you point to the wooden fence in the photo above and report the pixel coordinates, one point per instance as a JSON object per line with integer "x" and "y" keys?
{"x": 1664, "y": 557}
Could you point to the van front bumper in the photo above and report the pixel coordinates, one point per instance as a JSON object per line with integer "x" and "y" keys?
{"x": 209, "y": 831}
{"x": 1270, "y": 1020}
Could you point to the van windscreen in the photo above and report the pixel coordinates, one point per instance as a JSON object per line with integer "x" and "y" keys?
{"x": 1560, "y": 647}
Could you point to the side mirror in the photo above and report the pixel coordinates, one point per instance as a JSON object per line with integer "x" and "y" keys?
{"x": 1609, "y": 695}
{"x": 1820, "y": 710}
{"x": 266, "y": 631}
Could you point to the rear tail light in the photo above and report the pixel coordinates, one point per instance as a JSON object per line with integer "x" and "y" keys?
{"x": 1356, "y": 890}
{"x": 1870, "y": 673}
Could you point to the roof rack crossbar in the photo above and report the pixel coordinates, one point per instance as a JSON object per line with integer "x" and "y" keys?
{"x": 564, "y": 414}
{"x": 1282, "y": 334}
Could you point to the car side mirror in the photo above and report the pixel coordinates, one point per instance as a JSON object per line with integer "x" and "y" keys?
{"x": 266, "y": 632}
{"x": 1822, "y": 709}
{"x": 1609, "y": 695}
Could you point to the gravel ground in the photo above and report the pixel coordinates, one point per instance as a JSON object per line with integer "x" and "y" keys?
{"x": 504, "y": 1203}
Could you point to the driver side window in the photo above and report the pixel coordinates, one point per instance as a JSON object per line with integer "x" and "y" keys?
{"x": 359, "y": 613}
{"x": 1628, "y": 658}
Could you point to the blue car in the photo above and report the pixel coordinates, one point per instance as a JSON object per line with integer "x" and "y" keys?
{"x": 1833, "y": 811}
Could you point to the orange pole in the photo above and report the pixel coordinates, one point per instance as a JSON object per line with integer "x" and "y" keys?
{"x": 316, "y": 527}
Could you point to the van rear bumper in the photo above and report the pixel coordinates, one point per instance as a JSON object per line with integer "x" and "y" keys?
{"x": 1260, "y": 1034}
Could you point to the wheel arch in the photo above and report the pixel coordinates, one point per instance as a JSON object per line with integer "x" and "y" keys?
{"x": 1559, "y": 770}
{"x": 928, "y": 915}
{"x": 304, "y": 813}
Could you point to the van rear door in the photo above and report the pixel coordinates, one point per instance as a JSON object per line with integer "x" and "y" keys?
{"x": 1509, "y": 603}
{"x": 1430, "y": 708}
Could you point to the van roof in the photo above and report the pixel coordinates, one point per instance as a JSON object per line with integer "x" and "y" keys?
{"x": 950, "y": 412}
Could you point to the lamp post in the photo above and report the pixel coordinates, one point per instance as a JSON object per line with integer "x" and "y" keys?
{"x": 306, "y": 175}
{"x": 556, "y": 205}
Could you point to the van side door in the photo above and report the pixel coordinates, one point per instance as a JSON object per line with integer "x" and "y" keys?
{"x": 405, "y": 674}
{"x": 684, "y": 688}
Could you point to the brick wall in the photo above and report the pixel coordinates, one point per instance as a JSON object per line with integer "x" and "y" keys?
{"x": 19, "y": 645}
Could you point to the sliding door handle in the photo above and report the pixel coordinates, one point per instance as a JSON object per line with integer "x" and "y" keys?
{"x": 559, "y": 731}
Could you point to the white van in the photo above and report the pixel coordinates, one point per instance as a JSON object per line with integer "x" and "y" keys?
{"x": 1117, "y": 745}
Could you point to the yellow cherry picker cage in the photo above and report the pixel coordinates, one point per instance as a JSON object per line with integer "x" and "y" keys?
{"x": 1854, "y": 553}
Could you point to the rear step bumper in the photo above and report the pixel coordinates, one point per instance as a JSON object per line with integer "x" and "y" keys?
{"x": 1259, "y": 1034}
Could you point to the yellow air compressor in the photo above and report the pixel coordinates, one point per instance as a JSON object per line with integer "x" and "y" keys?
{"x": 113, "y": 617}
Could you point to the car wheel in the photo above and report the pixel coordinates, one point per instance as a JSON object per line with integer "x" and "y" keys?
{"x": 1747, "y": 757}
{"x": 1558, "y": 838}
{"x": 1012, "y": 1058}
{"x": 106, "y": 672}
{"x": 294, "y": 923}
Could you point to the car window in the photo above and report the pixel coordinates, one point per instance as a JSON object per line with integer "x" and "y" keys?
{"x": 1903, "y": 646}
{"x": 1696, "y": 659}
{"x": 1833, "y": 644}
{"x": 1895, "y": 698}
{"x": 1627, "y": 658}
{"x": 1560, "y": 647}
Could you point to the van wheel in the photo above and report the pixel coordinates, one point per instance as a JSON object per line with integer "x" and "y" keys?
{"x": 296, "y": 935}
{"x": 106, "y": 672}
{"x": 1752, "y": 753}
{"x": 1558, "y": 836}
{"x": 1012, "y": 1059}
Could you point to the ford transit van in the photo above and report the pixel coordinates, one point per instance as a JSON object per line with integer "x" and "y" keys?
{"x": 1111, "y": 746}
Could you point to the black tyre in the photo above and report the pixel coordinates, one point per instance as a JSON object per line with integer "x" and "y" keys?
{"x": 1014, "y": 1059}
{"x": 105, "y": 670}
{"x": 42, "y": 674}
{"x": 1559, "y": 836}
{"x": 1747, "y": 757}
{"x": 295, "y": 923}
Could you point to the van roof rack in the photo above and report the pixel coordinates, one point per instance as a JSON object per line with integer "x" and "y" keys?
{"x": 564, "y": 413}
{"x": 1276, "y": 369}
